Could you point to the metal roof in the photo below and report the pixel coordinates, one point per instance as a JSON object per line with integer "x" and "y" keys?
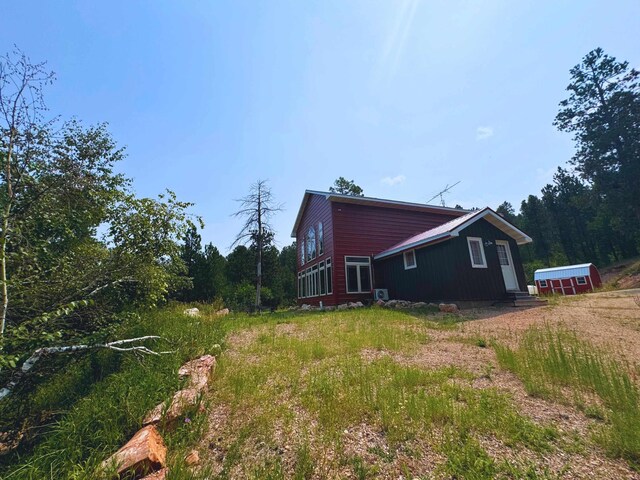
{"x": 452, "y": 229}
{"x": 338, "y": 197}
{"x": 566, "y": 271}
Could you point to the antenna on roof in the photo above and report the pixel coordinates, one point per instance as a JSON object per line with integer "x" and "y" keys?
{"x": 442, "y": 192}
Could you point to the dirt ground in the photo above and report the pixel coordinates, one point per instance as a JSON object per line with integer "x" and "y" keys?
{"x": 607, "y": 319}
{"x": 610, "y": 320}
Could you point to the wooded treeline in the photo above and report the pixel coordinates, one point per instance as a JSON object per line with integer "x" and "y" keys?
{"x": 591, "y": 210}
{"x": 232, "y": 279}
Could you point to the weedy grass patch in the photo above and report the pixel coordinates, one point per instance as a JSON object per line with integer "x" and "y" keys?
{"x": 98, "y": 401}
{"x": 556, "y": 364}
{"x": 334, "y": 372}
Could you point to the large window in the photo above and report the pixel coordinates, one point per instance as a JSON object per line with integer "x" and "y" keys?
{"x": 314, "y": 281}
{"x": 358, "y": 272}
{"x": 302, "y": 253}
{"x": 323, "y": 278}
{"x": 476, "y": 252}
{"x": 311, "y": 244}
{"x": 329, "y": 277}
{"x": 409, "y": 259}
{"x": 320, "y": 239}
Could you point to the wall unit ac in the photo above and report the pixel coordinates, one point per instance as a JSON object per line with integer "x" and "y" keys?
{"x": 381, "y": 294}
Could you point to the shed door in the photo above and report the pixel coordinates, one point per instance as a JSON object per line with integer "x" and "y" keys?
{"x": 506, "y": 264}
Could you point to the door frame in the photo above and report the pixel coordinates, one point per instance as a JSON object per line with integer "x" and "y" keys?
{"x": 511, "y": 265}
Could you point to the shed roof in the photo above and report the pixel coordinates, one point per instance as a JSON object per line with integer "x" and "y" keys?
{"x": 566, "y": 271}
{"x": 453, "y": 228}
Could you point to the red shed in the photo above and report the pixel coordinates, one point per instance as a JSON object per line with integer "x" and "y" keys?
{"x": 568, "y": 280}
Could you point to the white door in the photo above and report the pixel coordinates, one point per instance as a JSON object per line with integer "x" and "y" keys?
{"x": 506, "y": 264}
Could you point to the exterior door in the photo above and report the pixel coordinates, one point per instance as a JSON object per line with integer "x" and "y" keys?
{"x": 506, "y": 264}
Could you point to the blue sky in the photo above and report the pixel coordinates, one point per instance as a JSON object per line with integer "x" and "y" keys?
{"x": 402, "y": 96}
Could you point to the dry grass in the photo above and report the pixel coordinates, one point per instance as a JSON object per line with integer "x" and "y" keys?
{"x": 381, "y": 394}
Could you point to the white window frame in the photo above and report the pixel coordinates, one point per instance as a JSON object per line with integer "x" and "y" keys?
{"x": 357, "y": 264}
{"x": 484, "y": 259}
{"x": 543, "y": 283}
{"x": 328, "y": 273}
{"x": 320, "y": 237}
{"x": 583, "y": 282}
{"x": 415, "y": 260}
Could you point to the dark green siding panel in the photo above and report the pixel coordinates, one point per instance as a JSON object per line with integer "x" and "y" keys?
{"x": 444, "y": 270}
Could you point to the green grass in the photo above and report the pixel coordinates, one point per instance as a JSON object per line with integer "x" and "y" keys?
{"x": 557, "y": 364}
{"x": 97, "y": 402}
{"x": 317, "y": 367}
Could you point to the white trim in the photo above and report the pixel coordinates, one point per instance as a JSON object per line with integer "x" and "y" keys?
{"x": 412, "y": 245}
{"x": 456, "y": 233}
{"x": 583, "y": 278}
{"x": 328, "y": 265}
{"x": 545, "y": 284}
{"x": 415, "y": 260}
{"x": 484, "y": 259}
{"x": 358, "y": 276}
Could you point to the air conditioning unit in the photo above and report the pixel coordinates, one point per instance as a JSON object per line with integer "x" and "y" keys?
{"x": 381, "y": 294}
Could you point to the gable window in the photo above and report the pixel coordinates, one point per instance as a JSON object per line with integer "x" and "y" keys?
{"x": 302, "y": 254}
{"x": 358, "y": 272}
{"x": 311, "y": 244}
{"x": 543, "y": 283}
{"x": 581, "y": 280}
{"x": 409, "y": 259}
{"x": 476, "y": 252}
{"x": 320, "y": 239}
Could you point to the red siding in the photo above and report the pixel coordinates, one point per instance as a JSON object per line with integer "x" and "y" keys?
{"x": 318, "y": 209}
{"x": 570, "y": 286}
{"x": 367, "y": 230}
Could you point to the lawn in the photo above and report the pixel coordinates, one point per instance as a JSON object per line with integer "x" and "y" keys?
{"x": 365, "y": 393}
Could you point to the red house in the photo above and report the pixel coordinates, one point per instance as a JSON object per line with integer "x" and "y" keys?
{"x": 568, "y": 280}
{"x": 350, "y": 245}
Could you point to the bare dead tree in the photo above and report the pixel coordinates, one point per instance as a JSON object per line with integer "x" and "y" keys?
{"x": 257, "y": 208}
{"x": 21, "y": 123}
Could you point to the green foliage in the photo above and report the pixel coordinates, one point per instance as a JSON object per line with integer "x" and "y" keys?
{"x": 549, "y": 361}
{"x": 346, "y": 187}
{"x": 97, "y": 402}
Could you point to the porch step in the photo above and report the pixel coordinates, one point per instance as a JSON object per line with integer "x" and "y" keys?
{"x": 520, "y": 299}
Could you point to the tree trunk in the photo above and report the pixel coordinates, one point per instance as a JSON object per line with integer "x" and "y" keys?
{"x": 3, "y": 241}
{"x": 259, "y": 269}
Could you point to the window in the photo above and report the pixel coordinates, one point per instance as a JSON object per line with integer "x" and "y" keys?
{"x": 303, "y": 275}
{"x": 582, "y": 280}
{"x": 323, "y": 279}
{"x": 302, "y": 252}
{"x": 409, "y": 259}
{"x": 311, "y": 244}
{"x": 320, "y": 239}
{"x": 476, "y": 251}
{"x": 329, "y": 277}
{"x": 314, "y": 281}
{"x": 543, "y": 283}
{"x": 308, "y": 283}
{"x": 358, "y": 271}
{"x": 503, "y": 256}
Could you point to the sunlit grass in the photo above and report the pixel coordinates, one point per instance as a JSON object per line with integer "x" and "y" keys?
{"x": 557, "y": 364}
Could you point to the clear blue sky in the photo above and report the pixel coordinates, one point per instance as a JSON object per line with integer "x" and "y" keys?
{"x": 404, "y": 97}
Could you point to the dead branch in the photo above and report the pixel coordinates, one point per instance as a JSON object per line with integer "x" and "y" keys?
{"x": 45, "y": 351}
